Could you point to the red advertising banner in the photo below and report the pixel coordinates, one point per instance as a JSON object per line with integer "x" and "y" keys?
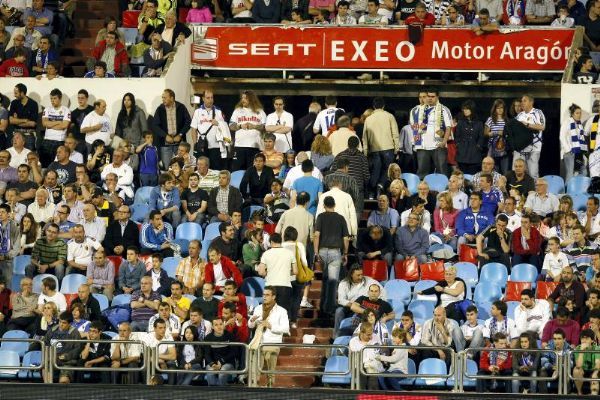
{"x": 379, "y": 48}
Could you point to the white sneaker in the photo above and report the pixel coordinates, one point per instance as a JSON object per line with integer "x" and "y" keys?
{"x": 307, "y": 76}
{"x": 365, "y": 77}
{"x": 290, "y": 76}
{"x": 306, "y": 304}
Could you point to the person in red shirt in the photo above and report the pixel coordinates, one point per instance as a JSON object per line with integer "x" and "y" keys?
{"x": 420, "y": 17}
{"x": 230, "y": 295}
{"x": 235, "y": 323}
{"x": 220, "y": 269}
{"x": 527, "y": 243}
{"x": 495, "y": 361}
{"x": 15, "y": 67}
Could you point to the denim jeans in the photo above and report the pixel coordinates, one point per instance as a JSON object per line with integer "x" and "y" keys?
{"x": 332, "y": 263}
{"x": 219, "y": 379}
{"x": 569, "y": 163}
{"x": 379, "y": 161}
{"x": 166, "y": 154}
{"x": 148, "y": 180}
{"x": 186, "y": 379}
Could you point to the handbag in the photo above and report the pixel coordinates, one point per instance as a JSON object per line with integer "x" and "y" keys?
{"x": 304, "y": 274}
{"x": 451, "y": 146}
{"x": 201, "y": 146}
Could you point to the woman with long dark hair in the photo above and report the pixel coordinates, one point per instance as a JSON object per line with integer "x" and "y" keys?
{"x": 494, "y": 131}
{"x": 573, "y": 144}
{"x": 470, "y": 142}
{"x": 30, "y": 232}
{"x": 248, "y": 122}
{"x": 131, "y": 121}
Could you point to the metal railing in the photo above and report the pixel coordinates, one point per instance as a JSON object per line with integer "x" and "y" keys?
{"x": 571, "y": 363}
{"x": 145, "y": 356}
{"x": 21, "y": 367}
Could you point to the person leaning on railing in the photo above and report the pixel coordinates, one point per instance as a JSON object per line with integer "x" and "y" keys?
{"x": 587, "y": 364}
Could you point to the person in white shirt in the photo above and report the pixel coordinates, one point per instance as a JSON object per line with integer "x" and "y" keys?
{"x": 94, "y": 226}
{"x": 18, "y": 152}
{"x": 56, "y": 120}
{"x": 554, "y": 261}
{"x": 460, "y": 200}
{"x": 123, "y": 171}
{"x": 531, "y": 315}
{"x": 127, "y": 355}
{"x": 173, "y": 324}
{"x": 97, "y": 125}
{"x": 280, "y": 265}
{"x": 413, "y": 329}
{"x": 514, "y": 216}
{"x": 472, "y": 330}
{"x": 534, "y": 120}
{"x": 541, "y": 202}
{"x": 280, "y": 123}
{"x": 369, "y": 356}
{"x": 205, "y": 125}
{"x": 80, "y": 250}
{"x": 499, "y": 322}
{"x": 166, "y": 352}
{"x": 271, "y": 322}
{"x": 326, "y": 118}
{"x": 296, "y": 171}
{"x": 299, "y": 290}
{"x": 42, "y": 209}
{"x": 50, "y": 294}
{"x": 590, "y": 219}
{"x": 418, "y": 207}
{"x": 373, "y": 17}
{"x": 343, "y": 17}
{"x": 70, "y": 199}
{"x": 247, "y": 121}
{"x": 17, "y": 209}
{"x": 344, "y": 205}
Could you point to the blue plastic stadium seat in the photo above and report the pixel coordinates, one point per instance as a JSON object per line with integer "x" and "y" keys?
{"x": 432, "y": 366}
{"x": 412, "y": 181}
{"x": 397, "y": 306}
{"x": 121, "y": 299}
{"x": 422, "y": 309}
{"x": 437, "y": 182}
{"x": 19, "y": 265}
{"x": 9, "y": 359}
{"x": 578, "y": 185}
{"x": 139, "y": 212}
{"x": 494, "y": 272}
{"x": 236, "y": 178}
{"x": 412, "y": 369}
{"x": 511, "y": 307}
{"x": 102, "y": 300}
{"x": 398, "y": 289}
{"x": 524, "y": 273}
{"x": 142, "y": 195}
{"x": 484, "y": 310}
{"x": 204, "y": 250}
{"x": 468, "y": 177}
{"x": 20, "y": 347}
{"x": 467, "y": 272}
{"x": 579, "y": 202}
{"x": 71, "y": 283}
{"x": 556, "y": 184}
{"x": 340, "y": 341}
{"x": 487, "y": 292}
{"x": 31, "y": 359}
{"x": 422, "y": 285}
{"x": 212, "y": 231}
{"x": 189, "y": 231}
{"x": 336, "y": 364}
{"x": 170, "y": 264}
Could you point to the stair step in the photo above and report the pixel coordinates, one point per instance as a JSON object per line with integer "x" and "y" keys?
{"x": 82, "y": 23}
{"x": 73, "y": 60}
{"x": 294, "y": 363}
{"x": 316, "y": 284}
{"x": 305, "y": 352}
{"x": 290, "y": 381}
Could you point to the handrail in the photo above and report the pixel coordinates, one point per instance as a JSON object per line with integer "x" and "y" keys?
{"x": 577, "y": 42}
{"x": 156, "y": 353}
{"x": 23, "y": 367}
{"x": 450, "y": 373}
{"x": 74, "y": 368}
{"x": 570, "y": 359}
{"x": 300, "y": 371}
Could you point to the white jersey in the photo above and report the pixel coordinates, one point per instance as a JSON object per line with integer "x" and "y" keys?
{"x": 61, "y": 113}
{"x": 283, "y": 141}
{"x": 248, "y": 137}
{"x": 104, "y": 133}
{"x": 201, "y": 121}
{"x": 325, "y": 120}
{"x": 533, "y": 117}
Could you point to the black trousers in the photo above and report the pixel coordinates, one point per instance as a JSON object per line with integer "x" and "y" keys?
{"x": 243, "y": 158}
{"x": 284, "y": 298}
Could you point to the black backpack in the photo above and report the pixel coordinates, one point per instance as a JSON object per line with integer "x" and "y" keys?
{"x": 518, "y": 136}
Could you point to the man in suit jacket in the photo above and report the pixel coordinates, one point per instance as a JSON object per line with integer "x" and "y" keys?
{"x": 220, "y": 211}
{"x": 121, "y": 233}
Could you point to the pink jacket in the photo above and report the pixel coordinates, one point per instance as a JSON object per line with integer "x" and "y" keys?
{"x": 449, "y": 220}
{"x": 199, "y": 15}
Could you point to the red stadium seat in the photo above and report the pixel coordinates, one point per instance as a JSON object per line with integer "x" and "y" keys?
{"x": 116, "y": 260}
{"x": 183, "y": 12}
{"x": 407, "y": 270}
{"x": 513, "y": 290}
{"x": 433, "y": 271}
{"x": 376, "y": 269}
{"x": 130, "y": 18}
{"x": 467, "y": 253}
{"x": 69, "y": 297}
{"x": 270, "y": 228}
{"x": 544, "y": 289}
{"x": 147, "y": 260}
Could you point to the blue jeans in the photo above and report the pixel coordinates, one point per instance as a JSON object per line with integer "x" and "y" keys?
{"x": 332, "y": 263}
{"x": 166, "y": 154}
{"x": 390, "y": 383}
{"x": 149, "y": 179}
{"x": 186, "y": 379}
{"x": 569, "y": 163}
{"x": 219, "y": 379}
{"x": 379, "y": 161}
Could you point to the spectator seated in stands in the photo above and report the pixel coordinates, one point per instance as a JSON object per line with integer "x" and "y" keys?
{"x": 190, "y": 271}
{"x": 173, "y": 31}
{"x": 144, "y": 303}
{"x": 173, "y": 325}
{"x": 532, "y": 315}
{"x": 110, "y": 25}
{"x": 198, "y": 321}
{"x": 43, "y": 19}
{"x": 527, "y": 244}
{"x": 495, "y": 362}
{"x": 157, "y": 56}
{"x": 256, "y": 182}
{"x": 276, "y": 201}
{"x": 587, "y": 365}
{"x": 224, "y": 199}
{"x": 206, "y": 302}
{"x": 165, "y": 198}
{"x": 562, "y": 16}
{"x": 101, "y": 275}
{"x": 384, "y": 216}
{"x": 220, "y": 269}
{"x": 540, "y": 12}
{"x": 94, "y": 226}
{"x": 126, "y": 355}
{"x": 67, "y": 352}
{"x": 49, "y": 254}
{"x": 179, "y": 304}
{"x": 343, "y": 15}
{"x": 580, "y": 252}
{"x": 443, "y": 332}
{"x": 444, "y": 220}
{"x": 373, "y": 17}
{"x": 161, "y": 282}
{"x": 65, "y": 168}
{"x": 418, "y": 208}
{"x": 472, "y": 221}
{"x": 10, "y": 243}
{"x": 111, "y": 49}
{"x": 424, "y": 193}
{"x": 227, "y": 242}
{"x": 15, "y": 209}
{"x": 189, "y": 357}
{"x": 121, "y": 234}
{"x": 235, "y": 323}
{"x": 199, "y": 13}
{"x": 41, "y": 57}
{"x": 91, "y": 306}
{"x": 24, "y": 308}
{"x": 50, "y": 293}
{"x": 95, "y": 354}
{"x": 99, "y": 71}
{"x": 80, "y": 251}
{"x": 525, "y": 363}
{"x": 562, "y": 321}
{"x": 130, "y": 272}
{"x": 412, "y": 241}
{"x": 541, "y": 202}
{"x": 27, "y": 35}
{"x": 499, "y": 322}
{"x": 449, "y": 292}
{"x": 166, "y": 353}
{"x": 549, "y": 360}
{"x": 374, "y": 302}
{"x": 220, "y": 357}
{"x": 156, "y": 235}
{"x": 376, "y": 243}
{"x": 266, "y": 12}
{"x": 472, "y": 330}
{"x": 15, "y": 67}
{"x": 492, "y": 197}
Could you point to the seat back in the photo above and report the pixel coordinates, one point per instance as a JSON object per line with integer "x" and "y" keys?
{"x": 142, "y": 195}
{"x": 433, "y": 271}
{"x": 579, "y": 202}
{"x": 423, "y": 285}
{"x": 398, "y": 289}
{"x": 9, "y": 358}
{"x": 437, "y": 182}
{"x": 556, "y": 184}
{"x": 236, "y": 178}
{"x": 212, "y": 231}
{"x": 71, "y": 283}
{"x": 511, "y": 306}
{"x": 514, "y": 289}
{"x": 37, "y": 282}
{"x": 578, "y": 185}
{"x": 421, "y": 309}
{"x": 102, "y": 300}
{"x": 487, "y": 292}
{"x": 170, "y": 265}
{"x": 19, "y": 347}
{"x": 189, "y": 231}
{"x": 494, "y": 272}
{"x": 467, "y": 272}
{"x": 432, "y": 366}
{"x": 407, "y": 270}
{"x": 412, "y": 181}
{"x": 524, "y": 273}
{"x": 30, "y": 359}
{"x": 117, "y": 261}
{"x": 545, "y": 289}
{"x": 121, "y": 299}
{"x": 376, "y": 269}
{"x": 20, "y": 263}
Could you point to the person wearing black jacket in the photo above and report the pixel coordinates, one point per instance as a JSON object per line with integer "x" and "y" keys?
{"x": 376, "y": 243}
{"x": 449, "y": 292}
{"x": 234, "y": 199}
{"x": 302, "y": 134}
{"x": 471, "y": 144}
{"x": 90, "y": 304}
{"x": 67, "y": 353}
{"x": 286, "y": 12}
{"x": 219, "y": 357}
{"x": 95, "y": 354}
{"x": 189, "y": 356}
{"x": 121, "y": 233}
{"x": 169, "y": 140}
{"x": 256, "y": 182}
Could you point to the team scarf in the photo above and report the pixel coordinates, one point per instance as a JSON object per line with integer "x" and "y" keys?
{"x": 515, "y": 8}
{"x": 577, "y": 137}
{"x": 41, "y": 59}
{"x": 594, "y": 133}
{"x": 498, "y": 357}
{"x": 4, "y": 238}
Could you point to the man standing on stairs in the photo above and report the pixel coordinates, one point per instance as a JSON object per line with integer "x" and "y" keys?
{"x": 271, "y": 322}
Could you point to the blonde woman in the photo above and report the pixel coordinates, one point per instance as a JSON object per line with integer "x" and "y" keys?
{"x": 394, "y": 172}
{"x": 321, "y": 154}
{"x": 399, "y": 196}
{"x": 444, "y": 220}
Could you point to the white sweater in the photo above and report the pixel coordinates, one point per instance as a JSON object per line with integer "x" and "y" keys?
{"x": 533, "y": 319}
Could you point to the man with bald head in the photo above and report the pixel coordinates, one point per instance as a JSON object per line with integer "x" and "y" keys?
{"x": 541, "y": 202}
{"x": 487, "y": 167}
{"x": 441, "y": 331}
{"x": 144, "y": 304}
{"x": 91, "y": 306}
{"x": 123, "y": 172}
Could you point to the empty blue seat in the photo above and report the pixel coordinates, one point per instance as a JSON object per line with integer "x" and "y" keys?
{"x": 139, "y": 212}
{"x": 9, "y": 359}
{"x": 204, "y": 250}
{"x": 236, "y": 178}
{"x": 253, "y": 286}
{"x": 397, "y": 306}
{"x": 422, "y": 309}
{"x": 487, "y": 292}
{"x": 346, "y": 326}
{"x": 20, "y": 347}
{"x": 437, "y": 182}
{"x": 337, "y": 364}
{"x": 398, "y": 289}
{"x": 412, "y": 181}
{"x": 121, "y": 299}
{"x": 71, "y": 283}
{"x": 524, "y": 273}
{"x": 212, "y": 231}
{"x": 102, "y": 300}
{"x": 579, "y": 201}
{"x": 511, "y": 306}
{"x": 37, "y": 282}
{"x": 484, "y": 310}
{"x": 142, "y": 195}
{"x": 423, "y": 285}
{"x": 19, "y": 265}
{"x": 472, "y": 369}
{"x": 467, "y": 272}
{"x": 31, "y": 359}
{"x": 412, "y": 369}
{"x": 170, "y": 264}
{"x": 340, "y": 341}
{"x": 578, "y": 185}
{"x": 556, "y": 184}
{"x": 494, "y": 272}
{"x": 189, "y": 231}
{"x": 432, "y": 366}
